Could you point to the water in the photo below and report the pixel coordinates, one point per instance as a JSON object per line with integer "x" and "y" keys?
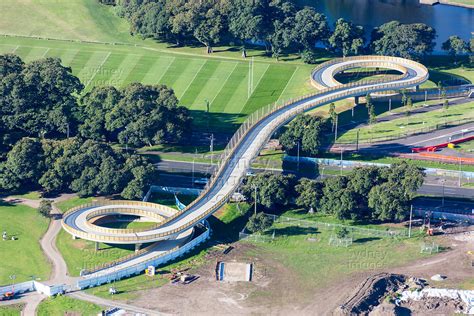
{"x": 447, "y": 20}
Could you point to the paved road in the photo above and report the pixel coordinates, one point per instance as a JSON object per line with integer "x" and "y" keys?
{"x": 432, "y": 186}
{"x": 404, "y": 145}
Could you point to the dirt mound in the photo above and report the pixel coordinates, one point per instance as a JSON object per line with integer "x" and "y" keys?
{"x": 370, "y": 293}
{"x": 434, "y": 305}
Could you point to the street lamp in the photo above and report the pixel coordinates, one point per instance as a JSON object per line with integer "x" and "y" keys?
{"x": 255, "y": 200}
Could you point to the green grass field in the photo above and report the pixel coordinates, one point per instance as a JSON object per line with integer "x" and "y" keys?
{"x": 11, "y": 310}
{"x": 412, "y": 123}
{"x": 64, "y": 305}
{"x": 72, "y": 202}
{"x": 23, "y": 257}
{"x": 222, "y": 82}
{"x": 317, "y": 264}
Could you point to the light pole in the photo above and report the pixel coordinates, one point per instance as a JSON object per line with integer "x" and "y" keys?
{"x": 409, "y": 225}
{"x": 442, "y": 201}
{"x": 342, "y": 150}
{"x": 255, "y": 200}
{"x": 460, "y": 172}
{"x": 298, "y": 163}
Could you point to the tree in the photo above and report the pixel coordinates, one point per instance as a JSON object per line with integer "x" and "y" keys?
{"x": 140, "y": 175}
{"x": 403, "y": 40}
{"x": 94, "y": 107}
{"x": 455, "y": 46}
{"x": 308, "y": 193}
{"x": 45, "y": 207}
{"x": 347, "y": 38}
{"x": 342, "y": 232}
{"x": 309, "y": 28}
{"x": 406, "y": 176}
{"x": 338, "y": 199}
{"x": 258, "y": 222}
{"x": 40, "y": 99}
{"x": 304, "y": 131}
{"x": 272, "y": 189}
{"x": 388, "y": 202}
{"x": 248, "y": 21}
{"x": 333, "y": 114}
{"x": 23, "y": 167}
{"x": 147, "y": 115}
{"x": 370, "y": 110}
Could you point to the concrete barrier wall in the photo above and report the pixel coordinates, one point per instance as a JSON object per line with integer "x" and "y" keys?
{"x": 352, "y": 164}
{"x": 23, "y": 287}
{"x": 139, "y": 268}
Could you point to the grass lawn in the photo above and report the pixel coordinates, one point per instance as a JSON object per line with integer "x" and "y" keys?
{"x": 80, "y": 254}
{"x": 64, "y": 305}
{"x": 169, "y": 200}
{"x": 411, "y": 124}
{"x": 11, "y": 310}
{"x": 73, "y": 202}
{"x": 33, "y": 195}
{"x": 466, "y": 147}
{"x": 317, "y": 264}
{"x": 23, "y": 257}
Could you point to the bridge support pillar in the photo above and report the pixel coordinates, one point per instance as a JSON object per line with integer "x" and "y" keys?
{"x": 74, "y": 237}
{"x": 356, "y": 100}
{"x": 97, "y": 248}
{"x": 417, "y": 88}
{"x": 137, "y": 247}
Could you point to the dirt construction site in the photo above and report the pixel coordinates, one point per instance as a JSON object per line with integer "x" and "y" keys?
{"x": 276, "y": 289}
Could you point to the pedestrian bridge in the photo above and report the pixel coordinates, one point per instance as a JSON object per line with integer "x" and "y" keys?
{"x": 237, "y": 156}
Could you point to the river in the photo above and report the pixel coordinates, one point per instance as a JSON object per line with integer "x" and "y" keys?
{"x": 447, "y": 20}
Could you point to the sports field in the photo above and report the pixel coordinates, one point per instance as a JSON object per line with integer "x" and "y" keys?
{"x": 233, "y": 88}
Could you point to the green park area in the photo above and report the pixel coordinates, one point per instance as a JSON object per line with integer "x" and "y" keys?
{"x": 11, "y": 310}
{"x": 64, "y": 305}
{"x": 410, "y": 124}
{"x": 23, "y": 256}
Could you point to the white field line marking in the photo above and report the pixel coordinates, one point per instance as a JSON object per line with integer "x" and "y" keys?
{"x": 225, "y": 81}
{"x": 260, "y": 79}
{"x": 97, "y": 70}
{"x": 14, "y": 50}
{"x": 191, "y": 81}
{"x": 44, "y": 54}
{"x": 287, "y": 84}
{"x": 166, "y": 69}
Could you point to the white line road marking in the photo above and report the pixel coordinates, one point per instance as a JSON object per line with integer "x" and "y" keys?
{"x": 191, "y": 81}
{"x": 97, "y": 70}
{"x": 468, "y": 130}
{"x": 225, "y": 81}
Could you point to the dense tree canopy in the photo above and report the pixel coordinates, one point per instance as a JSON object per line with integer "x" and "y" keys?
{"x": 39, "y": 98}
{"x": 347, "y": 38}
{"x": 272, "y": 189}
{"x": 403, "y": 40}
{"x": 305, "y": 131}
{"x": 455, "y": 45}
{"x": 88, "y": 168}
